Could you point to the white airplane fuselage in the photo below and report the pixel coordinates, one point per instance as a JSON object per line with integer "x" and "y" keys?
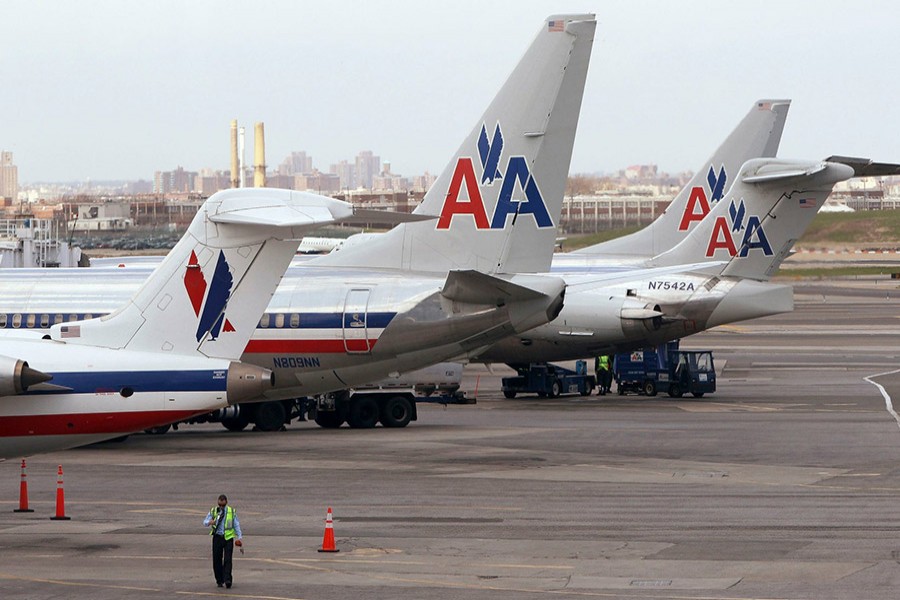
{"x": 327, "y": 329}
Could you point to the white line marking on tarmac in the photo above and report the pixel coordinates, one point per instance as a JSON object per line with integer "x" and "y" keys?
{"x": 887, "y": 397}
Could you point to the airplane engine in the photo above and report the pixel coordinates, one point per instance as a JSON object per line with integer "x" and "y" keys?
{"x": 247, "y": 382}
{"x": 16, "y": 376}
{"x": 638, "y": 315}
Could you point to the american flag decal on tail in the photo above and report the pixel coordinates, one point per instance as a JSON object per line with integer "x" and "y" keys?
{"x": 807, "y": 202}
{"x": 557, "y": 25}
{"x": 70, "y": 331}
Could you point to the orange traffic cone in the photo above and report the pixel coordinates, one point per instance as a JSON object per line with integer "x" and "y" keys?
{"x": 23, "y": 493}
{"x": 60, "y": 498}
{"x": 328, "y": 540}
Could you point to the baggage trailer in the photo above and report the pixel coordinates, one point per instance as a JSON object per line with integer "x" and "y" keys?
{"x": 666, "y": 369}
{"x": 548, "y": 380}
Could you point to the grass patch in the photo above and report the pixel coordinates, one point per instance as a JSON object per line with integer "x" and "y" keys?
{"x": 854, "y": 228}
{"x": 577, "y": 241}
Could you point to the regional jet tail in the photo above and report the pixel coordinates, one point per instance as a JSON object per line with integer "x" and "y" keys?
{"x": 766, "y": 211}
{"x": 499, "y": 199}
{"x": 171, "y": 352}
{"x": 756, "y": 136}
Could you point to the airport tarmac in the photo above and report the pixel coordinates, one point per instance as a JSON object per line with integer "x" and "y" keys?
{"x": 785, "y": 483}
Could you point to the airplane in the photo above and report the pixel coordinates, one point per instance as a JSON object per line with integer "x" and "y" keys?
{"x": 443, "y": 287}
{"x": 745, "y": 237}
{"x": 172, "y": 350}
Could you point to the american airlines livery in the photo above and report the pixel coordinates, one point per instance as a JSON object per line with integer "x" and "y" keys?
{"x": 444, "y": 286}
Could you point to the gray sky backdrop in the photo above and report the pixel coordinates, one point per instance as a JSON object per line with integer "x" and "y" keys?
{"x": 118, "y": 89}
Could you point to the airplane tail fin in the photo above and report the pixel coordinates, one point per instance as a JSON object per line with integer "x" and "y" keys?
{"x": 499, "y": 199}
{"x": 207, "y": 295}
{"x": 765, "y": 212}
{"x": 756, "y": 136}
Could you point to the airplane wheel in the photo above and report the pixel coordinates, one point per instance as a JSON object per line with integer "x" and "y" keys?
{"x": 238, "y": 423}
{"x": 329, "y": 419}
{"x": 396, "y": 412}
{"x": 363, "y": 413}
{"x": 650, "y": 388}
{"x": 270, "y": 416}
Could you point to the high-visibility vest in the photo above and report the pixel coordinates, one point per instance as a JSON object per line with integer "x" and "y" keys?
{"x": 228, "y": 527}
{"x": 602, "y": 363}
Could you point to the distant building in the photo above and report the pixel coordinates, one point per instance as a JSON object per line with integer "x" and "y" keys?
{"x": 368, "y": 166}
{"x": 103, "y": 217}
{"x": 297, "y": 163}
{"x": 321, "y": 183}
{"x": 9, "y": 176}
{"x": 177, "y": 181}
{"x": 640, "y": 172}
{"x": 346, "y": 174}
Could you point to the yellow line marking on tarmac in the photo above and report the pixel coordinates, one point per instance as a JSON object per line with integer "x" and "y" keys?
{"x": 78, "y": 583}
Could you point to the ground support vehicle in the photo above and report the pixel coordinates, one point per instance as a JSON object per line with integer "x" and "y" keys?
{"x": 666, "y": 369}
{"x": 548, "y": 380}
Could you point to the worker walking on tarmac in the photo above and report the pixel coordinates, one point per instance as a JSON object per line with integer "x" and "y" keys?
{"x": 225, "y": 530}
{"x": 603, "y": 371}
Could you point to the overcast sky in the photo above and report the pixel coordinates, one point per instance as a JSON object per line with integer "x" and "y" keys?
{"x": 120, "y": 89}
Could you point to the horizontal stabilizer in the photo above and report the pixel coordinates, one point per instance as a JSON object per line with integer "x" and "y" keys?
{"x": 276, "y": 208}
{"x": 477, "y": 288}
{"x": 362, "y": 216}
{"x": 783, "y": 172}
{"x": 866, "y": 167}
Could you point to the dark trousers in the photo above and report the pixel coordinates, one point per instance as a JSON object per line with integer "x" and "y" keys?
{"x": 222, "y": 551}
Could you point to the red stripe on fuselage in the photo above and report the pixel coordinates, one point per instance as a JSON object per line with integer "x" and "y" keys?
{"x": 305, "y": 346}
{"x": 87, "y": 423}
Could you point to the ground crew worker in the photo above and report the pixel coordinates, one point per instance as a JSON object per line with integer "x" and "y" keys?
{"x": 603, "y": 371}
{"x": 225, "y": 530}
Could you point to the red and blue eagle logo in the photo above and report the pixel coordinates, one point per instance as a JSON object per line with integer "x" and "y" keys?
{"x": 209, "y": 304}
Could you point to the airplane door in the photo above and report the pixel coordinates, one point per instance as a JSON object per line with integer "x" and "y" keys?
{"x": 356, "y": 335}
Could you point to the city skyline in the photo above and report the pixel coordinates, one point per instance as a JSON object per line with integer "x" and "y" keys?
{"x": 108, "y": 90}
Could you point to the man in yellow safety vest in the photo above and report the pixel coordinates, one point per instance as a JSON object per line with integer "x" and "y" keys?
{"x": 225, "y": 530}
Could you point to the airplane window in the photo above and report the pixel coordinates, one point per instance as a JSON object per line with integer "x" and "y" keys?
{"x": 17, "y": 320}
{"x": 3, "y": 320}
{"x": 73, "y": 317}
{"x": 264, "y": 321}
{"x": 279, "y": 320}
{"x": 57, "y": 319}
{"x": 30, "y": 321}
{"x": 88, "y": 316}
{"x": 45, "y": 321}
{"x": 295, "y": 320}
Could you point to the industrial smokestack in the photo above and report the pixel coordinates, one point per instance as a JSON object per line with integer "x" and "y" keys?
{"x": 259, "y": 157}
{"x": 241, "y": 155}
{"x": 235, "y": 177}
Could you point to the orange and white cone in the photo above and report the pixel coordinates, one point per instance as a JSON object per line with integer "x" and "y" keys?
{"x": 60, "y": 498}
{"x": 328, "y": 540}
{"x": 23, "y": 493}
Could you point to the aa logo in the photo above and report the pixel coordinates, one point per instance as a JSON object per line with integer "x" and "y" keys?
{"x": 519, "y": 192}
{"x": 750, "y": 234}
{"x": 699, "y": 204}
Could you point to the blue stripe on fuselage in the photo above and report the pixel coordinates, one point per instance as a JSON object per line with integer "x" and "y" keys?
{"x": 139, "y": 381}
